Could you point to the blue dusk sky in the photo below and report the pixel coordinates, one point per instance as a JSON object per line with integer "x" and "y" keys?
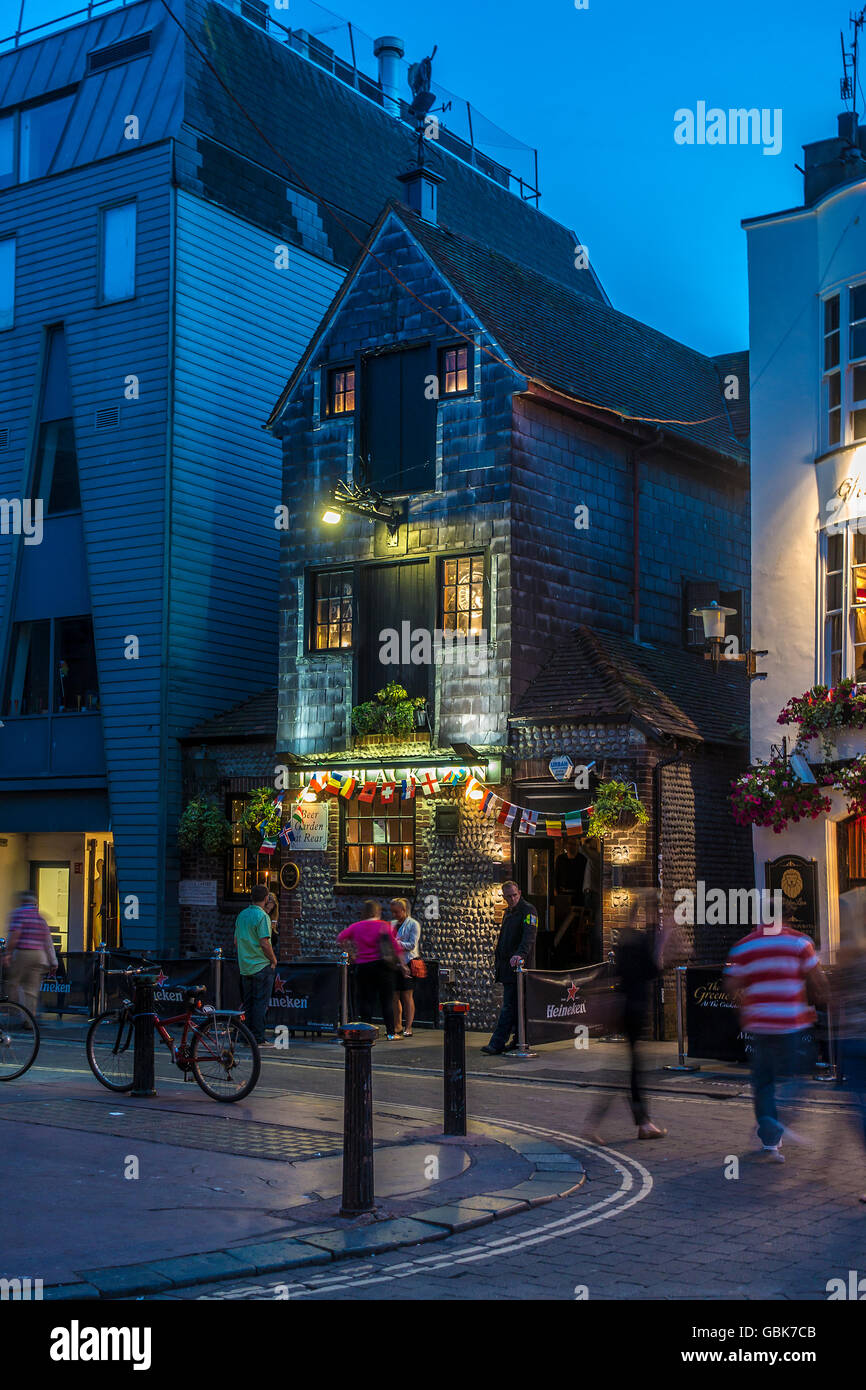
{"x": 595, "y": 90}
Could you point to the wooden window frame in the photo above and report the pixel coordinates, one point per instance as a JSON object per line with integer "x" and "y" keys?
{"x": 398, "y": 810}
{"x": 330, "y": 392}
{"x": 313, "y": 577}
{"x": 442, "y": 561}
{"x": 468, "y": 390}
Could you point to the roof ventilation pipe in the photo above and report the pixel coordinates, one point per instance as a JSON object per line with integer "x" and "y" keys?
{"x": 389, "y": 50}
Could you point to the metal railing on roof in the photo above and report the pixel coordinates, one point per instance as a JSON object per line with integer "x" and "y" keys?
{"x": 337, "y": 46}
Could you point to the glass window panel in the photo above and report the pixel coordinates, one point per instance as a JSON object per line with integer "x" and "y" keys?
{"x": 462, "y": 622}
{"x": 57, "y": 467}
{"x": 352, "y": 831}
{"x": 381, "y": 859}
{"x": 395, "y": 860}
{"x": 346, "y": 640}
{"x": 831, "y": 351}
{"x": 834, "y": 432}
{"x": 7, "y": 151}
{"x": 831, "y": 313}
{"x": 463, "y": 571}
{"x": 334, "y": 613}
{"x": 834, "y": 387}
{"x": 834, "y": 591}
{"x": 834, "y": 551}
{"x": 450, "y": 572}
{"x": 334, "y": 635}
{"x": 858, "y": 586}
{"x": 450, "y": 599}
{"x": 858, "y": 386}
{"x": 860, "y": 664}
{"x": 7, "y": 282}
{"x": 347, "y": 588}
{"x": 858, "y": 302}
{"x": 118, "y": 252}
{"x": 353, "y": 862}
{"x": 41, "y": 129}
{"x": 463, "y": 598}
{"x": 859, "y": 541}
{"x": 27, "y": 681}
{"x": 475, "y": 622}
{"x": 858, "y": 340}
{"x": 477, "y": 567}
{"x": 858, "y": 424}
{"x": 860, "y": 627}
{"x": 75, "y": 686}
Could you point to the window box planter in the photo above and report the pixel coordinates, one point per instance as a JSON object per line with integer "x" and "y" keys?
{"x": 421, "y": 736}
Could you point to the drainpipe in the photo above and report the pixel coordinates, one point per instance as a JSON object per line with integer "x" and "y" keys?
{"x": 659, "y": 1002}
{"x": 635, "y": 512}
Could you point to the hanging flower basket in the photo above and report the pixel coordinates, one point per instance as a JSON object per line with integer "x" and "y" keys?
{"x": 827, "y": 713}
{"x": 261, "y": 818}
{"x": 615, "y": 809}
{"x": 204, "y": 827}
{"x": 769, "y": 794}
{"x": 851, "y": 780}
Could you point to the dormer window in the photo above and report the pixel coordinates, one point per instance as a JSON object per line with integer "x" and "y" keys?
{"x": 341, "y": 391}
{"x": 454, "y": 365}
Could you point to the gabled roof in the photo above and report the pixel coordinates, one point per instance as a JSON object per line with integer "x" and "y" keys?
{"x": 569, "y": 342}
{"x": 254, "y": 719}
{"x": 588, "y": 350}
{"x": 594, "y": 675}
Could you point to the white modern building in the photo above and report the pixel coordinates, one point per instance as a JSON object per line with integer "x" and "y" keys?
{"x": 807, "y": 290}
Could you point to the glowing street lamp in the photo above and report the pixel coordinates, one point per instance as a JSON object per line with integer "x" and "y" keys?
{"x": 714, "y": 616}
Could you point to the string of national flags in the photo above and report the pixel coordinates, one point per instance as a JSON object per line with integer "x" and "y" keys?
{"x": 390, "y": 793}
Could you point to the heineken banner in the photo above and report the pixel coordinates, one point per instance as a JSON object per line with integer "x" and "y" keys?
{"x": 172, "y": 978}
{"x": 70, "y": 988}
{"x": 306, "y": 996}
{"x": 558, "y": 1002}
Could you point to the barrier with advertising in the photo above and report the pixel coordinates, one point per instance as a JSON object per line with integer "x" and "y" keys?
{"x": 426, "y": 995}
{"x": 712, "y": 1020}
{"x": 559, "y": 1001}
{"x": 306, "y": 996}
{"x": 173, "y": 978}
{"x": 70, "y": 988}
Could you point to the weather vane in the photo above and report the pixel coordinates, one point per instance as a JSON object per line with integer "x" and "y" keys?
{"x": 421, "y": 81}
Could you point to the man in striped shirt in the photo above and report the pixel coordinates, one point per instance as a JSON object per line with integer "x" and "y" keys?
{"x": 774, "y": 976}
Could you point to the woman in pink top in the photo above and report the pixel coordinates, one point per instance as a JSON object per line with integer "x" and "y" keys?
{"x": 376, "y": 975}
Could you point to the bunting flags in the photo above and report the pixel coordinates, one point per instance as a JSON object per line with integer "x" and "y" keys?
{"x": 268, "y": 846}
{"x": 389, "y": 790}
{"x": 287, "y": 835}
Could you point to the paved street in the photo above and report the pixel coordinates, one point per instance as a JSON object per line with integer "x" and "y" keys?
{"x": 652, "y": 1221}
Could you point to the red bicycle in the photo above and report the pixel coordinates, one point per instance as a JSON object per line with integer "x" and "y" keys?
{"x": 216, "y": 1047}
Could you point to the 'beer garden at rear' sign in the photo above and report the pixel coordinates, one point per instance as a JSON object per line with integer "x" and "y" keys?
{"x": 561, "y": 767}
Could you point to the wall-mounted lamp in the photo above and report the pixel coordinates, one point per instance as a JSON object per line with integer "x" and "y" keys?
{"x": 361, "y": 501}
{"x": 714, "y": 617}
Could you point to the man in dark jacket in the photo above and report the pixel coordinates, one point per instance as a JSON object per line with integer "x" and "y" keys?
{"x": 516, "y": 943}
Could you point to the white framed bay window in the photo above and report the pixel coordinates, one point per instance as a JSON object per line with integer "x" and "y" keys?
{"x": 844, "y": 565}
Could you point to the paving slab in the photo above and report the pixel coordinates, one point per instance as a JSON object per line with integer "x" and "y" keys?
{"x": 127, "y": 1279}
{"x": 281, "y": 1254}
{"x": 382, "y": 1235}
{"x": 59, "y": 1292}
{"x": 457, "y": 1216}
{"x": 202, "y": 1269}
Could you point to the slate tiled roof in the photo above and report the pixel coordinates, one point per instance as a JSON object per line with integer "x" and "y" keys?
{"x": 604, "y": 676}
{"x": 345, "y": 148}
{"x": 567, "y": 340}
{"x": 253, "y": 719}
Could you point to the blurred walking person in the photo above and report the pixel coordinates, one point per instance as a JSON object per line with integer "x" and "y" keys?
{"x": 378, "y": 957}
{"x": 30, "y": 950}
{"x": 408, "y": 932}
{"x": 637, "y": 962}
{"x": 775, "y": 978}
{"x": 849, "y": 996}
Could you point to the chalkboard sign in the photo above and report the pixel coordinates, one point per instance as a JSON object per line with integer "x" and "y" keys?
{"x": 712, "y": 1021}
{"x": 797, "y": 880}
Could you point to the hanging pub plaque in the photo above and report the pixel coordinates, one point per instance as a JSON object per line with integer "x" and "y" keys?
{"x": 797, "y": 880}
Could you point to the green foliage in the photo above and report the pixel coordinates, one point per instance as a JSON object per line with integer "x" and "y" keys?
{"x": 615, "y": 807}
{"x": 389, "y": 712}
{"x": 260, "y": 807}
{"x": 203, "y": 826}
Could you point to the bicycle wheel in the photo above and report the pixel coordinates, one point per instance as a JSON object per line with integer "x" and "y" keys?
{"x": 19, "y": 1040}
{"x": 225, "y": 1059}
{"x": 110, "y": 1049}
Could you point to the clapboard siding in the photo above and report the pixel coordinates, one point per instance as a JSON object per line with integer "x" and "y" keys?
{"x": 122, "y": 471}
{"x": 240, "y": 326}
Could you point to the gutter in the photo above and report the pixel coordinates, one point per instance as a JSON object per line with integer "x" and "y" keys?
{"x": 659, "y": 1001}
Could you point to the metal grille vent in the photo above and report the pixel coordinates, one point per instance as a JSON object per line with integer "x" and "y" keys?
{"x": 119, "y": 52}
{"x": 108, "y": 418}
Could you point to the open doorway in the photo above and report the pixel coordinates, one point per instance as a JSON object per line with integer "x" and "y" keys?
{"x": 561, "y": 878}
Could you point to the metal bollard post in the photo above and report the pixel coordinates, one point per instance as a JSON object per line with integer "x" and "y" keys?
{"x": 103, "y": 961}
{"x": 454, "y": 1065}
{"x": 681, "y": 1063}
{"x": 217, "y": 971}
{"x": 142, "y": 1048}
{"x": 344, "y": 987}
{"x": 522, "y": 1053}
{"x": 358, "y": 1039}
{"x": 829, "y": 1070}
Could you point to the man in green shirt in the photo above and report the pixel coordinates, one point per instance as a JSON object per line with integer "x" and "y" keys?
{"x": 256, "y": 961}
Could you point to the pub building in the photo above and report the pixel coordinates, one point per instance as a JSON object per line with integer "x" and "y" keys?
{"x": 478, "y": 510}
{"x": 809, "y": 508}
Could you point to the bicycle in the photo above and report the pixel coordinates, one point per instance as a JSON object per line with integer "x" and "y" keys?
{"x": 19, "y": 1033}
{"x": 216, "y": 1047}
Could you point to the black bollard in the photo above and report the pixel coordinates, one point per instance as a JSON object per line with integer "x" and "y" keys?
{"x": 142, "y": 1047}
{"x": 454, "y": 1058}
{"x": 358, "y": 1039}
